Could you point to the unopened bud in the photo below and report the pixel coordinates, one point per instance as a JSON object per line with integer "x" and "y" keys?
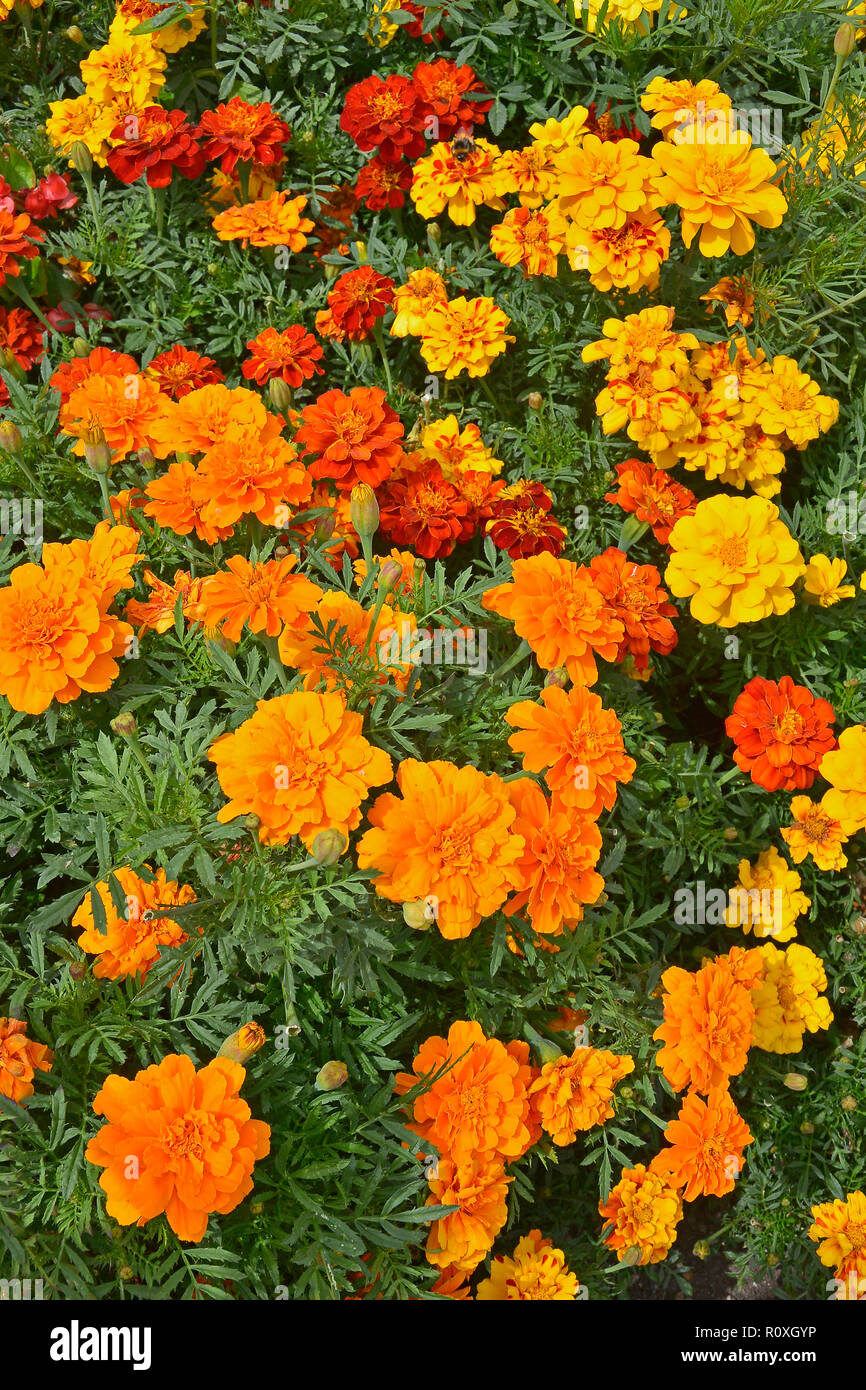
{"x": 74, "y": 34}
{"x": 10, "y": 363}
{"x": 631, "y": 1256}
{"x": 293, "y": 1023}
{"x": 417, "y": 915}
{"x": 558, "y": 677}
{"x": 78, "y": 969}
{"x": 807, "y": 1127}
{"x": 80, "y": 346}
{"x": 731, "y": 832}
{"x": 325, "y": 526}
{"x": 256, "y": 1208}
{"x": 243, "y": 8}
{"x": 96, "y": 450}
{"x": 795, "y": 1081}
{"x": 364, "y": 510}
{"x": 535, "y": 400}
{"x": 845, "y": 40}
{"x": 332, "y": 1075}
{"x": 125, "y": 1272}
{"x": 243, "y": 1044}
{"x": 701, "y": 1249}
{"x": 146, "y": 459}
{"x": 389, "y": 575}
{"x": 280, "y": 393}
{"x": 10, "y": 438}
{"x": 124, "y": 724}
{"x": 434, "y": 231}
{"x": 682, "y": 803}
{"x": 80, "y": 156}
{"x": 329, "y": 845}
{"x": 252, "y": 821}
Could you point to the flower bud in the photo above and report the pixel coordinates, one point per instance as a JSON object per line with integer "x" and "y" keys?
{"x": 252, "y": 821}
{"x": 124, "y": 724}
{"x": 293, "y": 1023}
{"x": 795, "y": 1081}
{"x": 731, "y": 832}
{"x": 146, "y": 459}
{"x": 701, "y": 1249}
{"x": 243, "y": 8}
{"x": 845, "y": 40}
{"x": 631, "y": 1256}
{"x": 10, "y": 438}
{"x": 535, "y": 400}
{"x": 417, "y": 915}
{"x": 80, "y": 346}
{"x": 329, "y": 845}
{"x": 557, "y": 677}
{"x": 125, "y": 1272}
{"x": 849, "y": 1103}
{"x": 364, "y": 510}
{"x": 74, "y": 34}
{"x": 682, "y": 803}
{"x": 807, "y": 1127}
{"x": 243, "y": 1044}
{"x": 332, "y": 1075}
{"x": 390, "y": 574}
{"x": 256, "y": 1208}
{"x": 96, "y": 450}
{"x": 280, "y": 393}
{"x": 77, "y": 969}
{"x": 325, "y": 526}
{"x": 80, "y": 157}
{"x": 10, "y": 363}
{"x": 434, "y": 231}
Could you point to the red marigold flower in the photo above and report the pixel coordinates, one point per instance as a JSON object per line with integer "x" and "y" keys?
{"x": 384, "y": 114}
{"x": 523, "y": 523}
{"x": 636, "y": 595}
{"x": 291, "y": 355}
{"x": 102, "y": 361}
{"x": 17, "y": 237}
{"x": 21, "y": 334}
{"x": 155, "y": 142}
{"x": 602, "y": 124}
{"x": 782, "y": 732}
{"x": 358, "y": 300}
{"x": 355, "y": 438}
{"x": 236, "y": 130}
{"x": 382, "y": 184}
{"x": 652, "y": 495}
{"x": 442, "y": 89}
{"x": 482, "y": 491}
{"x": 415, "y": 30}
{"x": 7, "y": 201}
{"x": 50, "y": 196}
{"x": 179, "y": 371}
{"x": 425, "y": 511}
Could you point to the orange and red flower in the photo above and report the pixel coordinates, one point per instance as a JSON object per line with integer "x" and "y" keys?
{"x": 236, "y": 130}
{"x": 358, "y": 300}
{"x": 704, "y": 1153}
{"x": 155, "y": 142}
{"x": 178, "y": 371}
{"x": 635, "y": 594}
{"x": 20, "y": 1059}
{"x": 652, "y": 495}
{"x": 18, "y": 238}
{"x": 781, "y": 731}
{"x": 425, "y": 511}
{"x": 384, "y": 114}
{"x": 354, "y": 437}
{"x": 292, "y": 355}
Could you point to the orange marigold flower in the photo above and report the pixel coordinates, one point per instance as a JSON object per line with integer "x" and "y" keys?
{"x": 354, "y": 437}
{"x": 157, "y": 613}
{"x": 781, "y": 731}
{"x": 620, "y": 258}
{"x": 478, "y": 1107}
{"x": 652, "y": 496}
{"x": 735, "y": 293}
{"x": 560, "y": 852}
{"x": 413, "y": 301}
{"x": 442, "y": 88}
{"x": 574, "y": 1093}
{"x": 20, "y": 1059}
{"x": 602, "y": 182}
{"x": 707, "y": 1029}
{"x": 457, "y": 451}
{"x": 177, "y": 1141}
{"x": 358, "y": 300}
{"x": 18, "y": 238}
{"x": 129, "y": 942}
{"x": 815, "y": 832}
{"x": 721, "y": 189}
{"x": 303, "y": 645}
{"x": 654, "y": 406}
{"x": 172, "y": 505}
{"x": 212, "y": 414}
{"x": 557, "y": 609}
{"x": 129, "y": 499}
{"x": 101, "y": 361}
{"x": 704, "y": 1155}
{"x": 21, "y": 335}
{"x": 642, "y": 1214}
{"x": 635, "y": 594}
{"x": 179, "y": 371}
{"x": 384, "y": 113}
{"x": 292, "y": 356}
{"x": 576, "y": 743}
{"x": 643, "y": 339}
{"x": 273, "y": 221}
{"x": 445, "y": 180}
{"x": 464, "y": 335}
{"x": 845, "y": 770}
{"x": 236, "y": 130}
{"x": 425, "y": 511}
{"x": 450, "y": 837}
{"x": 405, "y": 585}
{"x": 382, "y": 185}
{"x": 478, "y": 1187}
{"x": 301, "y": 764}
{"x": 250, "y": 477}
{"x": 532, "y": 239}
{"x": 535, "y": 1271}
{"x": 452, "y": 1284}
{"x": 264, "y": 596}
{"x": 677, "y": 106}
{"x": 128, "y": 409}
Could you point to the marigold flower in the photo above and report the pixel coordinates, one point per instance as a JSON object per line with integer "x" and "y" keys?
{"x": 523, "y": 523}
{"x": 721, "y": 190}
{"x": 781, "y": 732}
{"x": 301, "y": 764}
{"x": 839, "y": 1230}
{"x": 358, "y": 300}
{"x": 643, "y": 339}
{"x": 292, "y": 356}
{"x": 643, "y": 1213}
{"x": 18, "y": 238}
{"x": 652, "y": 496}
{"x": 442, "y": 89}
{"x": 353, "y": 438}
{"x": 574, "y": 1093}
{"x": 382, "y": 185}
{"x": 478, "y": 1187}
{"x": 735, "y": 559}
{"x": 423, "y": 290}
{"x": 171, "y": 38}
{"x": 157, "y": 613}
{"x": 265, "y": 597}
{"x": 128, "y": 409}
{"x": 457, "y": 451}
{"x": 260, "y": 478}
{"x": 126, "y": 72}
{"x": 704, "y": 1156}
{"x": 845, "y": 769}
{"x": 556, "y": 607}
{"x": 443, "y": 181}
{"x": 736, "y": 294}
{"x": 212, "y": 415}
{"x": 20, "y": 1059}
{"x": 816, "y": 833}
{"x": 788, "y": 402}
{"x": 788, "y": 998}
{"x": 576, "y": 743}
{"x": 622, "y": 258}
{"x": 767, "y": 898}
{"x": 173, "y": 507}
{"x": 560, "y": 852}
{"x": 101, "y": 361}
{"x": 676, "y": 107}
{"x": 602, "y": 182}
{"x": 384, "y": 114}
{"x": 177, "y": 1141}
{"x": 464, "y": 335}
{"x": 535, "y": 1271}
{"x": 635, "y": 594}
{"x": 425, "y": 511}
{"x": 531, "y": 239}
{"x": 237, "y": 130}
{"x": 82, "y": 119}
{"x": 707, "y": 1029}
{"x": 155, "y": 142}
{"x": 655, "y": 406}
{"x": 303, "y": 646}
{"x": 130, "y": 942}
{"x": 178, "y": 371}
{"x": 21, "y": 334}
{"x": 273, "y": 221}
{"x": 528, "y": 172}
{"x": 451, "y": 837}
{"x": 478, "y": 1107}
{"x": 822, "y": 583}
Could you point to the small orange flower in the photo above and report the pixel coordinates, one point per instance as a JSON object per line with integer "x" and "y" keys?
{"x": 709, "y": 1013}
{"x": 735, "y": 293}
{"x": 305, "y": 647}
{"x": 536, "y": 1271}
{"x": 179, "y": 371}
{"x": 635, "y": 594}
{"x": 237, "y": 130}
{"x": 274, "y": 221}
{"x": 18, "y": 238}
{"x": 130, "y": 942}
{"x": 561, "y": 850}
{"x": 652, "y": 496}
{"x": 291, "y": 356}
{"x": 781, "y": 732}
{"x": 815, "y": 832}
{"x": 704, "y": 1155}
{"x": 156, "y": 614}
{"x": 173, "y": 507}
{"x": 576, "y": 743}
{"x": 354, "y": 437}
{"x": 251, "y": 477}
{"x": 574, "y": 1093}
{"x": 478, "y": 1188}
{"x": 530, "y": 238}
{"x": 20, "y": 1059}
{"x": 264, "y": 596}
{"x": 643, "y": 1213}
{"x": 358, "y": 300}
{"x": 126, "y": 408}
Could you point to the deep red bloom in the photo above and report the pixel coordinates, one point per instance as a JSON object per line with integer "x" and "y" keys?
{"x": 17, "y": 237}
{"x": 523, "y": 522}
{"x": 359, "y": 298}
{"x": 236, "y": 130}
{"x": 384, "y": 114}
{"x": 21, "y": 333}
{"x": 50, "y": 196}
{"x": 179, "y": 371}
{"x": 424, "y": 511}
{"x": 782, "y": 732}
{"x": 603, "y": 125}
{"x": 383, "y": 185}
{"x": 442, "y": 87}
{"x": 156, "y": 142}
{"x": 292, "y": 355}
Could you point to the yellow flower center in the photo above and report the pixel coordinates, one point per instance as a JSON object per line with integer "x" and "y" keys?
{"x": 788, "y": 726}
{"x": 732, "y": 552}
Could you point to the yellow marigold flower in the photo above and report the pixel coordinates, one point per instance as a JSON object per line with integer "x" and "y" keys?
{"x": 532, "y": 240}
{"x": 644, "y": 338}
{"x": 638, "y": 14}
{"x": 653, "y": 404}
{"x": 528, "y": 172}
{"x": 458, "y": 451}
{"x": 380, "y": 31}
{"x": 574, "y": 1093}
{"x": 81, "y": 118}
{"x": 536, "y": 1270}
{"x": 845, "y": 770}
{"x": 677, "y": 104}
{"x": 721, "y": 190}
{"x": 816, "y": 833}
{"x": 464, "y": 335}
{"x": 413, "y": 301}
{"x": 171, "y": 38}
{"x": 621, "y": 258}
{"x": 554, "y": 135}
{"x": 643, "y": 1212}
{"x": 767, "y": 898}
{"x": 839, "y": 1229}
{"x": 788, "y": 402}
{"x": 129, "y": 71}
{"x": 603, "y": 182}
{"x": 441, "y": 181}
{"x": 735, "y": 560}
{"x": 788, "y": 1000}
{"x": 736, "y": 295}
{"x": 824, "y": 145}
{"x": 823, "y": 582}
{"x": 716, "y": 442}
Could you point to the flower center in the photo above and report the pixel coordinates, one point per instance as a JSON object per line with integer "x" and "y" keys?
{"x": 182, "y": 1138}
{"x": 788, "y": 726}
{"x": 733, "y": 552}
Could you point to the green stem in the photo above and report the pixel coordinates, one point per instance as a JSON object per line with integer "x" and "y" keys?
{"x": 157, "y": 208}
{"x": 27, "y": 298}
{"x": 275, "y": 661}
{"x": 519, "y": 655}
{"x": 381, "y": 596}
{"x": 103, "y": 488}
{"x": 379, "y": 339}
